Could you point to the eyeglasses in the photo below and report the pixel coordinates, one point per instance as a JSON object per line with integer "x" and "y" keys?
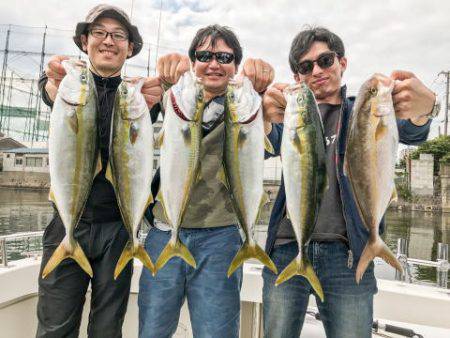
{"x": 102, "y": 34}
{"x": 324, "y": 61}
{"x": 221, "y": 57}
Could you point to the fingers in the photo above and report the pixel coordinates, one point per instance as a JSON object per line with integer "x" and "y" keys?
{"x": 152, "y": 91}
{"x": 259, "y": 72}
{"x": 170, "y": 67}
{"x": 402, "y": 75}
{"x": 274, "y": 104}
{"x": 54, "y": 69}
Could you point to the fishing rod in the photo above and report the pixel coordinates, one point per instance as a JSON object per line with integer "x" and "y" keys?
{"x": 376, "y": 326}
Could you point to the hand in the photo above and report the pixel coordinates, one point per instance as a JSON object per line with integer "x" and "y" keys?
{"x": 170, "y": 67}
{"x": 412, "y": 99}
{"x": 259, "y": 72}
{"x": 55, "y": 73}
{"x": 152, "y": 91}
{"x": 274, "y": 104}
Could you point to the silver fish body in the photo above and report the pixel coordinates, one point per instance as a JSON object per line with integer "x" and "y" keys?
{"x": 180, "y": 143}
{"x": 73, "y": 156}
{"x": 369, "y": 163}
{"x": 243, "y": 161}
{"x": 131, "y": 165}
{"x": 304, "y": 172}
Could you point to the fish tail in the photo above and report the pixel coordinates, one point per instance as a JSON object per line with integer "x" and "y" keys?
{"x": 128, "y": 253}
{"x": 301, "y": 267}
{"x": 376, "y": 248}
{"x": 248, "y": 251}
{"x": 175, "y": 249}
{"x": 62, "y": 252}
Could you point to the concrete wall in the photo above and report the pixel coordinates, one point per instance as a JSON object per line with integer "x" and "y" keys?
{"x": 24, "y": 179}
{"x": 272, "y": 169}
{"x": 422, "y": 175}
{"x": 445, "y": 186}
{"x": 37, "y": 163}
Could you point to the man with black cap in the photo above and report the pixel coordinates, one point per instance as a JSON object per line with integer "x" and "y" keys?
{"x": 108, "y": 38}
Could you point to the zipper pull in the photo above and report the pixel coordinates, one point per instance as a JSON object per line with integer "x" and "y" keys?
{"x": 350, "y": 259}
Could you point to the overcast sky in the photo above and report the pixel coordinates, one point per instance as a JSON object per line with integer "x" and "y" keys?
{"x": 379, "y": 36}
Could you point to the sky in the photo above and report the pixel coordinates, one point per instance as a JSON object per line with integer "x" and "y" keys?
{"x": 379, "y": 36}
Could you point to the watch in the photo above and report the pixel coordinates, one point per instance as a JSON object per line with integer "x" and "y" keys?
{"x": 436, "y": 109}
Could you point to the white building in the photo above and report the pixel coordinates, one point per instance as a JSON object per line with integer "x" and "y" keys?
{"x": 26, "y": 159}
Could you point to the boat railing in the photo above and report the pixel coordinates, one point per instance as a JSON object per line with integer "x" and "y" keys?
{"x": 441, "y": 264}
{"x": 5, "y": 239}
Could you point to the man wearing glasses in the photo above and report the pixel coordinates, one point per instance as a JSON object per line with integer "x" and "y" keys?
{"x": 209, "y": 227}
{"x": 108, "y": 38}
{"x": 317, "y": 57}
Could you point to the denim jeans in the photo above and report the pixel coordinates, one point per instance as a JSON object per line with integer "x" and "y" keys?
{"x": 213, "y": 298}
{"x": 347, "y": 310}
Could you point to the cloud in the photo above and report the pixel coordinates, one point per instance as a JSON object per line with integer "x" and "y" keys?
{"x": 379, "y": 36}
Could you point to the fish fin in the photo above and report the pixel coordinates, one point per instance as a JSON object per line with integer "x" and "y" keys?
{"x": 268, "y": 145}
{"x": 128, "y": 253}
{"x": 108, "y": 174}
{"x": 61, "y": 253}
{"x": 301, "y": 267}
{"x": 381, "y": 130}
{"x": 133, "y": 132}
{"x": 248, "y": 251}
{"x": 242, "y": 137}
{"x": 376, "y": 248}
{"x": 171, "y": 250}
{"x": 345, "y": 169}
{"x": 264, "y": 200}
{"x": 394, "y": 196}
{"x": 186, "y": 131}
{"x": 150, "y": 200}
{"x": 159, "y": 139}
{"x": 221, "y": 176}
{"x": 298, "y": 144}
{"x": 73, "y": 122}
{"x": 98, "y": 166}
{"x": 199, "y": 173}
{"x": 51, "y": 196}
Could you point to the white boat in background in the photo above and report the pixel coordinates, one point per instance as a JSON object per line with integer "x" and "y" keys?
{"x": 422, "y": 311}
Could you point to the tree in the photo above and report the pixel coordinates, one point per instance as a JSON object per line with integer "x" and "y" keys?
{"x": 439, "y": 147}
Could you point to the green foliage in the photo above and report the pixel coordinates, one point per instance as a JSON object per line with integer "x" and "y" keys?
{"x": 439, "y": 147}
{"x": 403, "y": 190}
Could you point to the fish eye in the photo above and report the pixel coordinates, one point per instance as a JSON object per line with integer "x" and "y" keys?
{"x": 83, "y": 77}
{"x": 373, "y": 91}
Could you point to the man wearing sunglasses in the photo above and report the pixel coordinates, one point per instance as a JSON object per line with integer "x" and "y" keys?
{"x": 108, "y": 38}
{"x": 209, "y": 228}
{"x": 317, "y": 57}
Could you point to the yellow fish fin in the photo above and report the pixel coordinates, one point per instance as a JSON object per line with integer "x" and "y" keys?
{"x": 248, "y": 251}
{"x": 176, "y": 249}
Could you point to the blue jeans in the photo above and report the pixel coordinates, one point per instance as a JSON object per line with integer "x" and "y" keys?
{"x": 348, "y": 307}
{"x": 213, "y": 298}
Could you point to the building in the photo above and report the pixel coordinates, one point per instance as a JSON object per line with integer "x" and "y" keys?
{"x": 26, "y": 160}
{"x": 7, "y": 143}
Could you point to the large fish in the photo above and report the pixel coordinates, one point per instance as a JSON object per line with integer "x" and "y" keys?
{"x": 305, "y": 177}
{"x": 131, "y": 165}
{"x": 180, "y": 142}
{"x": 73, "y": 156}
{"x": 369, "y": 163}
{"x": 243, "y": 164}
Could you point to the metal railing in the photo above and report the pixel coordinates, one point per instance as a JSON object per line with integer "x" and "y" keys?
{"x": 14, "y": 237}
{"x": 441, "y": 264}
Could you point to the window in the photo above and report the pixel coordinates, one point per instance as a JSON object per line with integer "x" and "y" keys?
{"x": 33, "y": 162}
{"x": 8, "y": 155}
{"x": 18, "y": 161}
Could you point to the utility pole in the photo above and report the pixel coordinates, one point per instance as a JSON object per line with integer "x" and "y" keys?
{"x": 3, "y": 77}
{"x": 447, "y": 74}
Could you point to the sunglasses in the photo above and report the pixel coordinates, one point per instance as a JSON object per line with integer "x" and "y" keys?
{"x": 221, "y": 57}
{"x": 324, "y": 61}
